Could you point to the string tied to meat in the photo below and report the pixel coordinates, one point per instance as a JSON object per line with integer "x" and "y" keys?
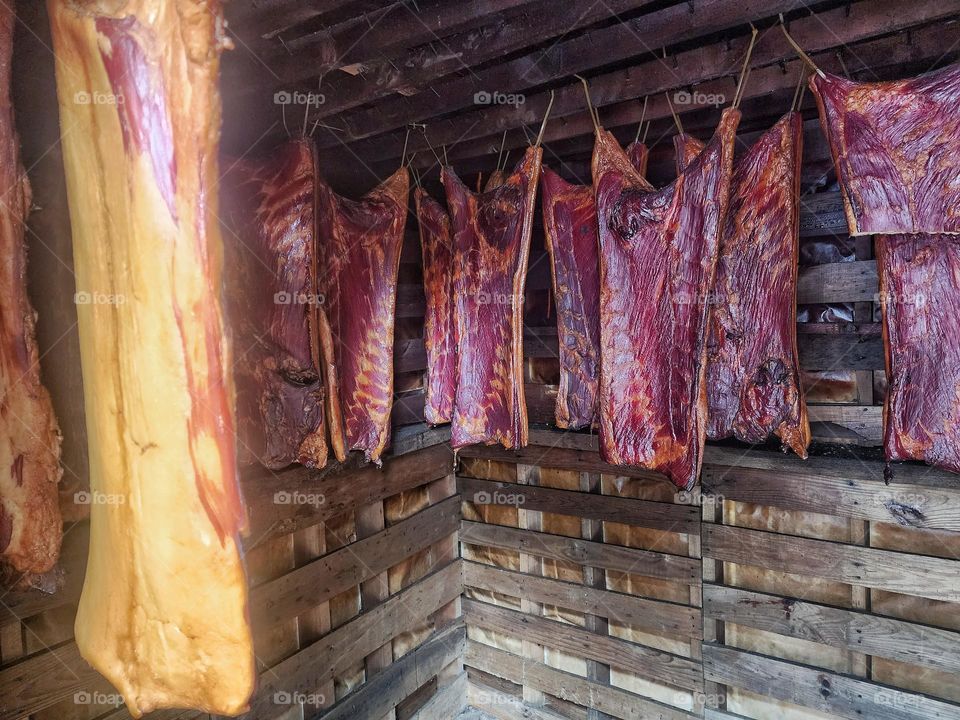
{"x": 643, "y": 115}
{"x": 676, "y": 118}
{"x": 798, "y": 92}
{"x": 594, "y": 117}
{"x": 745, "y": 70}
{"x": 543, "y": 125}
{"x": 503, "y": 142}
{"x": 799, "y": 50}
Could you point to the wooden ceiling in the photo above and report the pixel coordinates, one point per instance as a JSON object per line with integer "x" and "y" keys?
{"x": 382, "y": 67}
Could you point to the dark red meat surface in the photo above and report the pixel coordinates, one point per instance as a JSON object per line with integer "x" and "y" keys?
{"x": 896, "y": 146}
{"x": 359, "y": 256}
{"x": 491, "y": 238}
{"x": 919, "y": 288}
{"x": 658, "y": 252}
{"x": 437, "y": 250}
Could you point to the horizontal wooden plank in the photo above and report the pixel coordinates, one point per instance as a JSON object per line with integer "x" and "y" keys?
{"x": 299, "y": 590}
{"x": 642, "y": 513}
{"x": 648, "y": 563}
{"x": 920, "y": 575}
{"x": 282, "y": 502}
{"x": 446, "y": 703}
{"x": 822, "y": 214}
{"x": 572, "y": 688}
{"x": 866, "y": 421}
{"x": 381, "y": 693}
{"x": 556, "y": 456}
{"x": 503, "y": 706}
{"x": 853, "y": 630}
{"x": 825, "y": 691}
{"x": 864, "y": 499}
{"x": 838, "y": 282}
{"x": 647, "y": 662}
{"x": 657, "y": 616}
{"x": 334, "y": 653}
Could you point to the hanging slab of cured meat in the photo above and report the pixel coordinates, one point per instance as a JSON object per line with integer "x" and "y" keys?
{"x": 437, "y": 251}
{"x": 163, "y": 612}
{"x": 570, "y": 232}
{"x": 272, "y": 305}
{"x": 685, "y": 148}
{"x": 30, "y": 525}
{"x": 658, "y": 251}
{"x": 753, "y": 374}
{"x": 919, "y": 284}
{"x": 896, "y": 146}
{"x": 491, "y": 239}
{"x": 359, "y": 244}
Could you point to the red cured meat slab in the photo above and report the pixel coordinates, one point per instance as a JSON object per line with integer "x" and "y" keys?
{"x": 658, "y": 252}
{"x": 359, "y": 254}
{"x": 271, "y": 300}
{"x": 491, "y": 238}
{"x": 753, "y": 374}
{"x": 919, "y": 287}
{"x": 570, "y": 231}
{"x": 437, "y": 250}
{"x": 685, "y": 148}
{"x": 896, "y": 146}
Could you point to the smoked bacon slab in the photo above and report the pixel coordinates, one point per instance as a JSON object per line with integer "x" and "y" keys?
{"x": 658, "y": 253}
{"x": 570, "y": 232}
{"x": 753, "y": 372}
{"x": 491, "y": 239}
{"x": 359, "y": 244}
{"x": 163, "y": 611}
{"x": 272, "y": 305}
{"x": 30, "y": 524}
{"x": 919, "y": 287}
{"x": 437, "y": 252}
{"x": 896, "y": 147}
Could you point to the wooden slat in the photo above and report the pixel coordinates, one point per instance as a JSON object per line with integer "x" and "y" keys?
{"x": 822, "y": 214}
{"x": 265, "y": 491}
{"x": 573, "y": 688}
{"x": 446, "y": 703}
{"x": 647, "y": 662}
{"x": 503, "y": 706}
{"x": 923, "y": 576}
{"x": 648, "y": 563}
{"x": 335, "y": 653}
{"x": 642, "y": 513}
{"x": 838, "y": 282}
{"x": 898, "y": 503}
{"x": 862, "y": 632}
{"x": 320, "y": 580}
{"x": 556, "y": 456}
{"x": 382, "y": 693}
{"x": 825, "y": 691}
{"x": 654, "y": 615}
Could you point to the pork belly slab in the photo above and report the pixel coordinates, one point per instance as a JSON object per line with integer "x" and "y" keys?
{"x": 163, "y": 612}
{"x": 30, "y": 524}
{"x": 658, "y": 253}
{"x": 491, "y": 239}
{"x": 896, "y": 147}
{"x": 272, "y": 305}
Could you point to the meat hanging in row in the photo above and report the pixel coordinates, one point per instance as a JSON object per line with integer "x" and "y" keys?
{"x": 272, "y": 307}
{"x": 438, "y": 328}
{"x": 896, "y": 147}
{"x": 30, "y": 523}
{"x": 753, "y": 371}
{"x": 491, "y": 240}
{"x": 359, "y": 259}
{"x": 570, "y": 233}
{"x": 658, "y": 252}
{"x": 163, "y": 611}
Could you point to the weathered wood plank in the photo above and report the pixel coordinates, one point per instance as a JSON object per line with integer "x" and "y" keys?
{"x": 559, "y": 457}
{"x": 655, "y": 615}
{"x": 382, "y": 693}
{"x": 318, "y": 581}
{"x": 503, "y": 706}
{"x": 644, "y": 661}
{"x": 920, "y": 575}
{"x": 648, "y": 563}
{"x": 643, "y": 513}
{"x": 899, "y": 503}
{"x": 858, "y": 631}
{"x": 819, "y": 689}
{"x": 446, "y": 703}
{"x": 280, "y": 503}
{"x": 573, "y": 688}
{"x": 837, "y": 282}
